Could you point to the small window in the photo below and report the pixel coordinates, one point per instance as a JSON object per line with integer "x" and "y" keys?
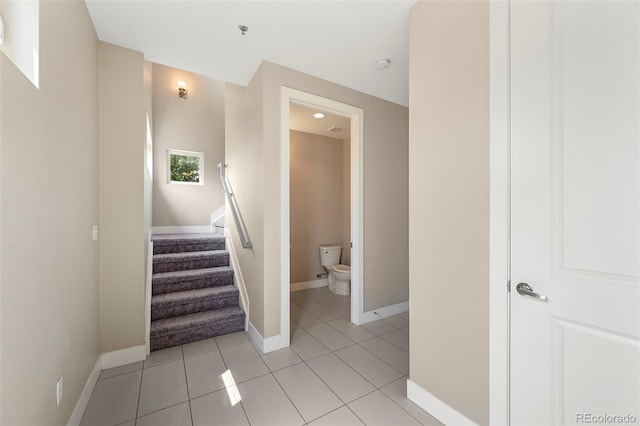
{"x": 20, "y": 36}
{"x": 185, "y": 167}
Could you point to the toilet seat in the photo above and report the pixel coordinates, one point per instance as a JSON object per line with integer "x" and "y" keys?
{"x": 345, "y": 269}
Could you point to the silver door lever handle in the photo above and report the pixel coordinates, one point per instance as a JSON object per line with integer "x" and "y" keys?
{"x": 525, "y": 290}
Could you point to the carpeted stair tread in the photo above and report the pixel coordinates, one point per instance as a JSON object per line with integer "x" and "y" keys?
{"x": 173, "y": 238}
{"x": 197, "y": 333}
{"x": 193, "y": 291}
{"x": 207, "y": 319}
{"x": 191, "y": 279}
{"x": 178, "y": 257}
{"x": 191, "y": 301}
{"x": 179, "y": 243}
{"x": 190, "y": 296}
{"x": 169, "y": 262}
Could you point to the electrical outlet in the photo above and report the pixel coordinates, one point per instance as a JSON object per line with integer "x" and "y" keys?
{"x": 95, "y": 232}
{"x": 59, "y": 391}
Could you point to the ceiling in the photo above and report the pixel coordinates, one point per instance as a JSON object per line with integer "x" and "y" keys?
{"x": 333, "y": 40}
{"x": 301, "y": 118}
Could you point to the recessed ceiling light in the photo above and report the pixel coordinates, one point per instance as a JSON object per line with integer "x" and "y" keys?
{"x": 383, "y": 63}
{"x": 318, "y": 115}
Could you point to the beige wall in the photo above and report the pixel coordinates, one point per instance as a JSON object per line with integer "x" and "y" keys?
{"x": 449, "y": 203}
{"x": 253, "y": 115}
{"x": 123, "y": 107}
{"x": 192, "y": 124}
{"x": 148, "y": 158}
{"x": 49, "y": 196}
{"x": 346, "y": 202}
{"x": 316, "y": 202}
{"x": 243, "y": 151}
{"x": 385, "y": 189}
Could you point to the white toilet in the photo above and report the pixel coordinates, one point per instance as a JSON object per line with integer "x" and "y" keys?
{"x": 339, "y": 275}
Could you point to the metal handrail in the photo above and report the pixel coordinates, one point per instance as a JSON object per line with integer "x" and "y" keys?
{"x": 235, "y": 210}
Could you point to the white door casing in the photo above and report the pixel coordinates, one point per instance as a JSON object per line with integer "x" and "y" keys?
{"x": 575, "y": 211}
{"x": 356, "y": 115}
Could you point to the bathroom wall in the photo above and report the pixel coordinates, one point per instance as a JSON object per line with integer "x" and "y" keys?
{"x": 316, "y": 200}
{"x": 346, "y": 201}
{"x": 192, "y": 124}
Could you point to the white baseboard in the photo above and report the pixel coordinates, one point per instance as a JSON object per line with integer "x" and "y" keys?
{"x": 124, "y": 356}
{"x": 147, "y": 298}
{"x": 436, "y": 407}
{"x": 303, "y": 285}
{"x": 255, "y": 336}
{"x": 106, "y": 360}
{"x": 238, "y": 279}
{"x": 268, "y": 344}
{"x": 180, "y": 230}
{"x": 384, "y": 312}
{"x": 85, "y": 395}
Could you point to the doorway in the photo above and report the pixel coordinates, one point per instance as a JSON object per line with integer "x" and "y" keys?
{"x": 356, "y": 117}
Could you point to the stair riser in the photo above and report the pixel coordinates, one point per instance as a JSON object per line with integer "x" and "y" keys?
{"x": 194, "y": 335}
{"x": 209, "y": 262}
{"x": 184, "y": 248}
{"x": 191, "y": 284}
{"x": 193, "y": 307}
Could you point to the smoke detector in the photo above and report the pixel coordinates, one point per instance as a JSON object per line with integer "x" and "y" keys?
{"x": 383, "y": 63}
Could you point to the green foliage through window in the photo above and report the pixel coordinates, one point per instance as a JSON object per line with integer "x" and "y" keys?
{"x": 185, "y": 168}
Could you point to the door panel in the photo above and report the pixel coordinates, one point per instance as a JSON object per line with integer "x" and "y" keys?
{"x": 589, "y": 365}
{"x": 575, "y": 210}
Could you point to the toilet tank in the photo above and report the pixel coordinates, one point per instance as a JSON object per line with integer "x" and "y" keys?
{"x": 330, "y": 255}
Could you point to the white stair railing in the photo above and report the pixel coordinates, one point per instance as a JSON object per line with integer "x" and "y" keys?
{"x": 235, "y": 210}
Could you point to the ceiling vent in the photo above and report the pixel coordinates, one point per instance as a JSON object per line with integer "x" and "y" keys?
{"x": 335, "y": 129}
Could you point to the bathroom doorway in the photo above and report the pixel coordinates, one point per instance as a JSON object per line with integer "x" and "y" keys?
{"x": 340, "y": 201}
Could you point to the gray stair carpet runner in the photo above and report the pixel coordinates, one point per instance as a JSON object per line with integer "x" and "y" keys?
{"x": 193, "y": 296}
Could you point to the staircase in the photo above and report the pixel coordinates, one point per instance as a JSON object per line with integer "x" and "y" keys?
{"x": 193, "y": 296}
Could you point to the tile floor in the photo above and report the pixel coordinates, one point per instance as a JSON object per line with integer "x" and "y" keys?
{"x": 334, "y": 373}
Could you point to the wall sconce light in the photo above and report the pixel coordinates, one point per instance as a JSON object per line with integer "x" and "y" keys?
{"x": 182, "y": 90}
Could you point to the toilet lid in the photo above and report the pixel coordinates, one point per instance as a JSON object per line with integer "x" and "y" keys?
{"x": 341, "y": 268}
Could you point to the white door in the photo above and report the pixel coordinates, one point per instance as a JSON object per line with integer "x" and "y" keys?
{"x": 575, "y": 215}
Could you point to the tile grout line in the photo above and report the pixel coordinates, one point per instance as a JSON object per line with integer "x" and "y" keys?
{"x": 404, "y": 374}
{"x": 186, "y": 380}
{"x": 119, "y": 374}
{"x": 327, "y": 385}
{"x": 375, "y": 388}
{"x": 358, "y": 344}
{"x": 289, "y": 398}
{"x": 362, "y": 347}
{"x": 135, "y": 420}
{"x": 382, "y": 337}
{"x": 236, "y": 384}
{"x": 364, "y": 340}
{"x": 402, "y": 408}
{"x": 356, "y": 414}
{"x": 158, "y": 410}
